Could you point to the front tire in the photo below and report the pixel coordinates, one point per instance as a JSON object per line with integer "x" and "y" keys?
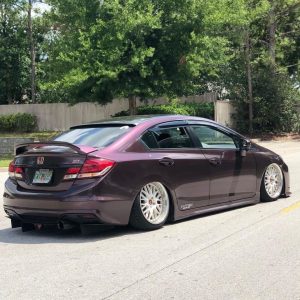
{"x": 272, "y": 183}
{"x": 151, "y": 207}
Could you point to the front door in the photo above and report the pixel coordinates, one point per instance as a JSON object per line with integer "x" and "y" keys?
{"x": 232, "y": 177}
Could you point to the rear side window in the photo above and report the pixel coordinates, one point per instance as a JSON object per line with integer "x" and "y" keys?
{"x": 93, "y": 136}
{"x": 175, "y": 137}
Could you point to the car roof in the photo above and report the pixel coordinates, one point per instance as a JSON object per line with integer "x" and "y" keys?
{"x": 144, "y": 122}
{"x": 149, "y": 120}
{"x": 136, "y": 120}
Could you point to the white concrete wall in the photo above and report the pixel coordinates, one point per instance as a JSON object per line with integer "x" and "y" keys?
{"x": 60, "y": 116}
{"x": 224, "y": 111}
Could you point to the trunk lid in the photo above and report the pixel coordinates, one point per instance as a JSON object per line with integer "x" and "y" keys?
{"x": 44, "y": 165}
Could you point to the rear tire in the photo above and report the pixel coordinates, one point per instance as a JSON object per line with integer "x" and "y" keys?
{"x": 272, "y": 183}
{"x": 151, "y": 207}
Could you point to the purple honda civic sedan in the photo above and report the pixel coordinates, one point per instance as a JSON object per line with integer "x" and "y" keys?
{"x": 141, "y": 171}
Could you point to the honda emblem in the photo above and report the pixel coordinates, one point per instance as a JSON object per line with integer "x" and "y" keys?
{"x": 40, "y": 160}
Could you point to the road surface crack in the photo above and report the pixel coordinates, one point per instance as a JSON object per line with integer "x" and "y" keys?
{"x": 189, "y": 255}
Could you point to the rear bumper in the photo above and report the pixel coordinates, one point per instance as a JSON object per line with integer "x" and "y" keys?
{"x": 74, "y": 209}
{"x": 53, "y": 217}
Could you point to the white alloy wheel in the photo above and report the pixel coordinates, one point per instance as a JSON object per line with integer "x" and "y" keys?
{"x": 273, "y": 181}
{"x": 154, "y": 202}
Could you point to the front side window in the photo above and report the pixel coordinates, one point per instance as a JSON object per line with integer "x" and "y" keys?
{"x": 98, "y": 137}
{"x": 175, "y": 137}
{"x": 212, "y": 138}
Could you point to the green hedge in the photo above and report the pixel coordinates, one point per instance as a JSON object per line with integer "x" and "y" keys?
{"x": 20, "y": 122}
{"x": 205, "y": 110}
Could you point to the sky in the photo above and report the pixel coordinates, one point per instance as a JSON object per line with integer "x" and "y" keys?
{"x": 41, "y": 7}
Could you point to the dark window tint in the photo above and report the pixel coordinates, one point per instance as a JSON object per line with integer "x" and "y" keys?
{"x": 95, "y": 137}
{"x": 212, "y": 138}
{"x": 149, "y": 139}
{"x": 175, "y": 137}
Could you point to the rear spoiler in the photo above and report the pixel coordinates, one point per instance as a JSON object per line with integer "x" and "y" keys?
{"x": 19, "y": 149}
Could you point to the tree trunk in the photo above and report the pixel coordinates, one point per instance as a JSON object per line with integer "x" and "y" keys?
{"x": 32, "y": 52}
{"x": 8, "y": 70}
{"x": 249, "y": 80}
{"x": 132, "y": 105}
{"x": 272, "y": 37}
{"x": 8, "y": 88}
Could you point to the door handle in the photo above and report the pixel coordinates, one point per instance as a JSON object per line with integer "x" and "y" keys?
{"x": 166, "y": 161}
{"x": 215, "y": 161}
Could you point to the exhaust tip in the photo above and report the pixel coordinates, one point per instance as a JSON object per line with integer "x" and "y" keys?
{"x": 38, "y": 226}
{"x": 60, "y": 225}
{"x": 64, "y": 226}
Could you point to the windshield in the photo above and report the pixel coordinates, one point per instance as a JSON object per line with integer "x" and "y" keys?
{"x": 98, "y": 137}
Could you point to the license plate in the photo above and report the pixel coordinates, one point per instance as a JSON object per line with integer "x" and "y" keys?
{"x": 42, "y": 176}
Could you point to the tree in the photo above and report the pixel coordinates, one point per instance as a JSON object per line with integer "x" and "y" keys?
{"x": 258, "y": 77}
{"x": 137, "y": 48}
{"x": 91, "y": 50}
{"x": 21, "y": 37}
{"x": 63, "y": 73}
{"x": 13, "y": 54}
{"x": 32, "y": 51}
{"x": 283, "y": 23}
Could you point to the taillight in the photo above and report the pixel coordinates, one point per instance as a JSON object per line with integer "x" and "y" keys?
{"x": 72, "y": 173}
{"x": 92, "y": 167}
{"x": 11, "y": 170}
{"x": 14, "y": 171}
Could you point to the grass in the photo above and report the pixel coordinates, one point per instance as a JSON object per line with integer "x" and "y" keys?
{"x": 5, "y": 160}
{"x": 39, "y": 136}
{"x": 43, "y": 135}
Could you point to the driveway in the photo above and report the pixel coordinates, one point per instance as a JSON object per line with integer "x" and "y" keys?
{"x": 247, "y": 253}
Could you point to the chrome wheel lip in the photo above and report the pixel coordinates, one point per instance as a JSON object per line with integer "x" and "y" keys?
{"x": 154, "y": 202}
{"x": 273, "y": 181}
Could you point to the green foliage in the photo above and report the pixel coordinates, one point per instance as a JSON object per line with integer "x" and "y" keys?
{"x": 93, "y": 50}
{"x": 14, "y": 50}
{"x": 136, "y": 48}
{"x": 163, "y": 109}
{"x": 275, "y": 99}
{"x": 205, "y": 110}
{"x": 273, "y": 66}
{"x": 20, "y": 122}
{"x": 14, "y": 59}
{"x": 297, "y": 123}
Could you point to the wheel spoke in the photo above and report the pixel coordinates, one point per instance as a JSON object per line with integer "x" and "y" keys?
{"x": 273, "y": 181}
{"x": 154, "y": 202}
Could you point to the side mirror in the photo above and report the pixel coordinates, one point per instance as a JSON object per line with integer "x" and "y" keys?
{"x": 245, "y": 145}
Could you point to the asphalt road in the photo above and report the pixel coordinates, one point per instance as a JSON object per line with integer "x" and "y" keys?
{"x": 247, "y": 253}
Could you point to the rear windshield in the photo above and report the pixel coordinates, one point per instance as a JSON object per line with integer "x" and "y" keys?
{"x": 98, "y": 137}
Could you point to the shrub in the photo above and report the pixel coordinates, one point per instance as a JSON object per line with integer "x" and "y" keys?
{"x": 20, "y": 122}
{"x": 6, "y": 123}
{"x": 274, "y": 110}
{"x": 205, "y": 110}
{"x": 297, "y": 123}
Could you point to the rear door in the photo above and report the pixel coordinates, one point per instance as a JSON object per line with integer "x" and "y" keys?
{"x": 175, "y": 159}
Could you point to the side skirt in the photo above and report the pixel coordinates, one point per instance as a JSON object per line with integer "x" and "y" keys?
{"x": 179, "y": 215}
